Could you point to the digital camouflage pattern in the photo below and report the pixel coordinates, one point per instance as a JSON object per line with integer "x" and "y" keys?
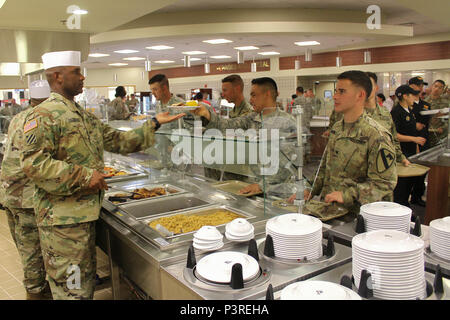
{"x": 278, "y": 119}
{"x": 26, "y": 237}
{"x": 384, "y": 118}
{"x": 16, "y": 187}
{"x": 435, "y": 123}
{"x": 241, "y": 110}
{"x": 119, "y": 110}
{"x": 359, "y": 161}
{"x": 66, "y": 247}
{"x": 6, "y": 115}
{"x": 131, "y": 104}
{"x": 63, "y": 145}
{"x": 324, "y": 211}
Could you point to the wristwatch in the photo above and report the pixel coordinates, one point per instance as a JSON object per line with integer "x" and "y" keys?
{"x": 157, "y": 124}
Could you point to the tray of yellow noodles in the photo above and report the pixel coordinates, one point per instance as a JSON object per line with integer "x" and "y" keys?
{"x": 187, "y": 106}
{"x": 191, "y": 221}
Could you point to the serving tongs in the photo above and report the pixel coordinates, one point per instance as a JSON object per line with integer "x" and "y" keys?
{"x": 123, "y": 198}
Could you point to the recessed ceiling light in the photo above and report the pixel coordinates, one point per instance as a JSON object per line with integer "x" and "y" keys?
{"x": 268, "y": 53}
{"x": 126, "y": 51}
{"x": 194, "y": 59}
{"x": 98, "y": 55}
{"x": 164, "y": 61}
{"x": 193, "y": 52}
{"x": 246, "y": 48}
{"x": 162, "y": 47}
{"x": 220, "y": 57}
{"x": 307, "y": 43}
{"x": 133, "y": 58}
{"x": 79, "y": 11}
{"x": 119, "y": 64}
{"x": 217, "y": 41}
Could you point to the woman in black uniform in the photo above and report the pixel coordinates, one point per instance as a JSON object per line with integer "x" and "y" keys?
{"x": 407, "y": 134}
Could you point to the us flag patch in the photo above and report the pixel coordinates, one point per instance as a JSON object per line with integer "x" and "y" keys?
{"x": 30, "y": 125}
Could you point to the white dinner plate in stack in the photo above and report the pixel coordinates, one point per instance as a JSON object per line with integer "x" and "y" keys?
{"x": 317, "y": 290}
{"x": 440, "y": 237}
{"x": 217, "y": 267}
{"x": 394, "y": 259}
{"x": 296, "y": 236}
{"x": 386, "y": 216}
{"x": 208, "y": 238}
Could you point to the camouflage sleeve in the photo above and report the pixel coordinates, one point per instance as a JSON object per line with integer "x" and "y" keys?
{"x": 381, "y": 175}
{"x": 117, "y": 141}
{"x": 399, "y": 156}
{"x": 223, "y": 124}
{"x": 38, "y": 161}
{"x": 333, "y": 119}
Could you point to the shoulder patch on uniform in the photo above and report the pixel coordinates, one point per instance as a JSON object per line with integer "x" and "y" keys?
{"x": 385, "y": 160}
{"x": 30, "y": 139}
{"x": 30, "y": 125}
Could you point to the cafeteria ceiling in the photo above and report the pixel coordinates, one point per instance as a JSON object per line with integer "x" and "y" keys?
{"x": 268, "y": 24}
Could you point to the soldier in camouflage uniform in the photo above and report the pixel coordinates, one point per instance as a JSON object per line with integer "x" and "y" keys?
{"x": 232, "y": 91}
{"x": 359, "y": 161}
{"x": 132, "y": 103}
{"x": 62, "y": 154}
{"x": 438, "y": 127}
{"x": 119, "y": 110}
{"x": 265, "y": 116}
{"x": 18, "y": 192}
{"x": 5, "y": 118}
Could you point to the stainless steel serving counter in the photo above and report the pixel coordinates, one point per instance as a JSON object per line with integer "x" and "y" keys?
{"x": 139, "y": 251}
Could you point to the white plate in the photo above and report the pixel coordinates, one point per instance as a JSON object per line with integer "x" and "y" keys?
{"x": 208, "y": 233}
{"x": 239, "y": 226}
{"x": 217, "y": 266}
{"x": 385, "y": 209}
{"x": 442, "y": 225}
{"x": 388, "y": 241}
{"x": 183, "y": 108}
{"x": 240, "y": 234}
{"x": 429, "y": 112}
{"x": 238, "y": 239}
{"x": 207, "y": 246}
{"x": 294, "y": 224}
{"x": 317, "y": 290}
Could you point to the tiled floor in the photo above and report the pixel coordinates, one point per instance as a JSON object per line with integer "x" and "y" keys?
{"x": 11, "y": 274}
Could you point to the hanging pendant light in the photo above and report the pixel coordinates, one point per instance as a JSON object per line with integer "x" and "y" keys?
{"x": 240, "y": 57}
{"x": 338, "y": 62}
{"x": 253, "y": 66}
{"x": 297, "y": 64}
{"x": 187, "y": 61}
{"x": 207, "y": 66}
{"x": 148, "y": 65}
{"x": 115, "y": 77}
{"x": 85, "y": 72}
{"x": 308, "y": 55}
{"x": 367, "y": 57}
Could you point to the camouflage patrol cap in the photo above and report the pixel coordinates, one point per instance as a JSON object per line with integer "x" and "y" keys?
{"x": 324, "y": 211}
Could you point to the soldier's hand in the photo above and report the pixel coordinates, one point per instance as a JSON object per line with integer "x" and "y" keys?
{"x": 307, "y": 195}
{"x": 292, "y": 198}
{"x": 326, "y": 134}
{"x": 202, "y": 111}
{"x": 440, "y": 130}
{"x": 165, "y": 117}
{"x": 406, "y": 162}
{"x": 420, "y": 140}
{"x": 98, "y": 181}
{"x": 335, "y": 196}
{"x": 253, "y": 188}
{"x": 419, "y": 126}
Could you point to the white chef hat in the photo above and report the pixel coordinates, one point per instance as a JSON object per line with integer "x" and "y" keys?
{"x": 61, "y": 59}
{"x": 39, "y": 89}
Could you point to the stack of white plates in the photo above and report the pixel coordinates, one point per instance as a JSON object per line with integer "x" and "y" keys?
{"x": 217, "y": 266}
{"x": 296, "y": 236}
{"x": 317, "y": 290}
{"x": 239, "y": 230}
{"x": 394, "y": 259}
{"x": 208, "y": 238}
{"x": 386, "y": 216}
{"x": 440, "y": 237}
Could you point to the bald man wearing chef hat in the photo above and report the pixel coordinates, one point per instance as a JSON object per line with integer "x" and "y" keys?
{"x": 17, "y": 198}
{"x": 63, "y": 156}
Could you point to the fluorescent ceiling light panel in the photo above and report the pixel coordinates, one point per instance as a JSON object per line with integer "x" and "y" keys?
{"x": 126, "y": 51}
{"x": 220, "y": 57}
{"x": 189, "y": 53}
{"x": 217, "y": 41}
{"x": 98, "y": 55}
{"x": 307, "y": 43}
{"x": 246, "y": 48}
{"x": 133, "y": 58}
{"x": 194, "y": 59}
{"x": 268, "y": 53}
{"x": 164, "y": 61}
{"x": 162, "y": 47}
{"x": 118, "y": 64}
